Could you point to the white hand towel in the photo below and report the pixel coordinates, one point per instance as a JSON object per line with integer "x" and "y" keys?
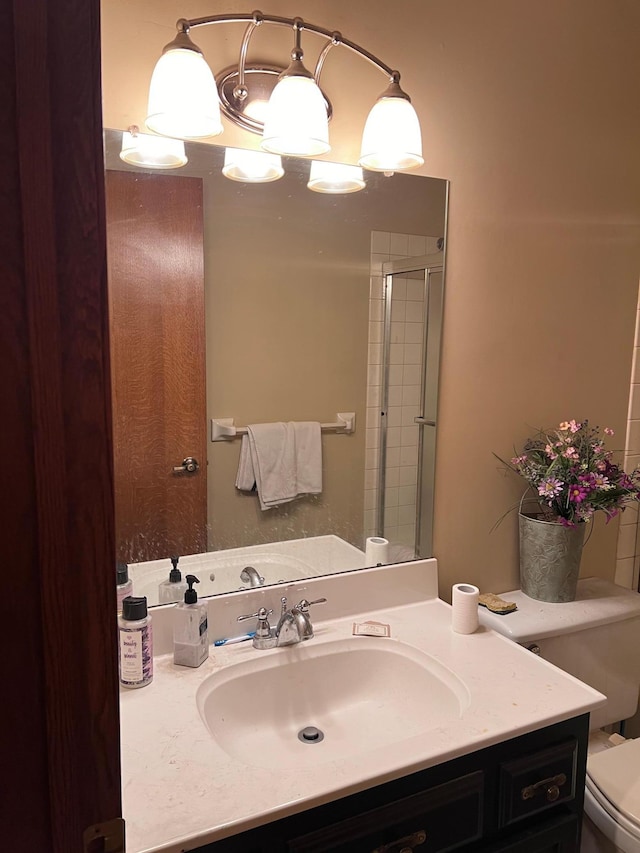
{"x": 245, "y": 478}
{"x": 308, "y": 456}
{"x": 274, "y": 462}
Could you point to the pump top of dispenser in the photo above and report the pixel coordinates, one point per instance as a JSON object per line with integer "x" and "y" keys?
{"x": 122, "y": 573}
{"x": 191, "y": 596}
{"x": 175, "y": 575}
{"x": 134, "y": 607}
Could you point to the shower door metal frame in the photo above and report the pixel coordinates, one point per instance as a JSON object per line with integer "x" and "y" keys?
{"x": 431, "y": 347}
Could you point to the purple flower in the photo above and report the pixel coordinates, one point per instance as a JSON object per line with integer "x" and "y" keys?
{"x": 550, "y": 487}
{"x": 599, "y": 481}
{"x": 577, "y": 493}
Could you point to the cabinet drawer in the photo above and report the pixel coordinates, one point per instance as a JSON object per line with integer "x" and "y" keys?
{"x": 441, "y": 818}
{"x": 538, "y": 781}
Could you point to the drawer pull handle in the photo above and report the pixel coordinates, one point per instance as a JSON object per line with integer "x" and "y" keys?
{"x": 403, "y": 845}
{"x": 551, "y": 787}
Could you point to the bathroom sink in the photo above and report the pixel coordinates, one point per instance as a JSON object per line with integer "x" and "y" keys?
{"x": 351, "y": 696}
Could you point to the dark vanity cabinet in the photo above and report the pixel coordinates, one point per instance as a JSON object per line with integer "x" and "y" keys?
{"x": 524, "y": 795}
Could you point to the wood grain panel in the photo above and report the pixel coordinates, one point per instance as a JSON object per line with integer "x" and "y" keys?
{"x": 23, "y": 719}
{"x": 156, "y": 293}
{"x": 62, "y": 756}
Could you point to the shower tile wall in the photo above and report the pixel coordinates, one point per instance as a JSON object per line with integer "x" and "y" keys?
{"x": 405, "y": 380}
{"x": 628, "y": 556}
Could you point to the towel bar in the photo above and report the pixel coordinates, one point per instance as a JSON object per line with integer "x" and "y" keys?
{"x": 223, "y": 429}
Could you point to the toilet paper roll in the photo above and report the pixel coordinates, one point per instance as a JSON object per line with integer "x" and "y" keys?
{"x": 376, "y": 551}
{"x": 464, "y": 602}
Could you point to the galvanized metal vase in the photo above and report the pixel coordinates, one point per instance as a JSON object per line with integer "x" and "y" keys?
{"x": 549, "y": 558}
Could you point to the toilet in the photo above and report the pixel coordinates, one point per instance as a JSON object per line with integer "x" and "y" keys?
{"x": 596, "y": 638}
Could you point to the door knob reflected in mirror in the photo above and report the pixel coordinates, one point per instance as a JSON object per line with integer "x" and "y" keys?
{"x": 189, "y": 466}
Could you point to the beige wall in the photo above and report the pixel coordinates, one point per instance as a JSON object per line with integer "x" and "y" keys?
{"x": 531, "y": 110}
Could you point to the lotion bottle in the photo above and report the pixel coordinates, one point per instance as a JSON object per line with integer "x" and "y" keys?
{"x": 190, "y": 635}
{"x": 174, "y": 588}
{"x": 135, "y": 643}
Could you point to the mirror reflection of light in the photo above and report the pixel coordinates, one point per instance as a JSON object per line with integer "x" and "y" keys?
{"x": 255, "y": 167}
{"x": 153, "y": 152}
{"x": 256, "y": 109}
{"x": 335, "y": 178}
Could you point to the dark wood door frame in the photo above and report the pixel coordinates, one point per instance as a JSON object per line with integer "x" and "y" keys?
{"x": 60, "y": 738}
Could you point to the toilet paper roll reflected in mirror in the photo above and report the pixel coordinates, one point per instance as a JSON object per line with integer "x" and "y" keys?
{"x": 377, "y": 551}
{"x": 464, "y": 603}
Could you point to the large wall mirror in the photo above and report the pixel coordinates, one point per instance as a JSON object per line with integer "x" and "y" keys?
{"x": 235, "y": 303}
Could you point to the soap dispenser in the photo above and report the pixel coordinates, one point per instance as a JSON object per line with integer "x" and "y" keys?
{"x": 124, "y": 584}
{"x": 174, "y": 588}
{"x": 190, "y": 636}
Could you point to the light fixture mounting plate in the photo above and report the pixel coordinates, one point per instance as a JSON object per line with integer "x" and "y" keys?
{"x": 260, "y": 81}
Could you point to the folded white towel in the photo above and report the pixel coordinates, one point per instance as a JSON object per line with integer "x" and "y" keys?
{"x": 273, "y": 454}
{"x": 284, "y": 461}
{"x": 245, "y": 478}
{"x": 308, "y": 441}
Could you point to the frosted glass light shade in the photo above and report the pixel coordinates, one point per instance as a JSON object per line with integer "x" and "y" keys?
{"x": 152, "y": 152}
{"x": 335, "y": 178}
{"x": 183, "y": 99}
{"x": 296, "y": 122}
{"x": 391, "y": 141}
{"x": 251, "y": 167}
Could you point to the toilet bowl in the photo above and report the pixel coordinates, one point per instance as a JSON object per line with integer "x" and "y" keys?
{"x": 612, "y": 799}
{"x": 595, "y": 638}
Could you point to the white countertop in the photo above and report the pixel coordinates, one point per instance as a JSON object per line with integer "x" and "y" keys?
{"x": 181, "y": 790}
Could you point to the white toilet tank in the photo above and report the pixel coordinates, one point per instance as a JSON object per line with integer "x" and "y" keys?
{"x": 596, "y": 638}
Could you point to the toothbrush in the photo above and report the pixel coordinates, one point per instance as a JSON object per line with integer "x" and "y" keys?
{"x": 230, "y": 640}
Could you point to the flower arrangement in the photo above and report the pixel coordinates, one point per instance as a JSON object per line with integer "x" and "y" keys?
{"x": 573, "y": 475}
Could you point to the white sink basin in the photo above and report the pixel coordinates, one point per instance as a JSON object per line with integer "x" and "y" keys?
{"x": 362, "y": 693}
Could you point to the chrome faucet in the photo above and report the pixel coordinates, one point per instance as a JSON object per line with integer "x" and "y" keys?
{"x": 293, "y": 627}
{"x": 294, "y": 624}
{"x": 251, "y": 576}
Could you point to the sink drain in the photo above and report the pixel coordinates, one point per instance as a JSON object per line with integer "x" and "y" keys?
{"x": 310, "y": 734}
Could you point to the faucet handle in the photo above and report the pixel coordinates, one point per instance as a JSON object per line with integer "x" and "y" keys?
{"x": 262, "y": 615}
{"x": 264, "y": 637}
{"x": 304, "y": 605}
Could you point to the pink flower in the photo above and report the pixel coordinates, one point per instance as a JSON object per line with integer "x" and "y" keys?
{"x": 570, "y": 426}
{"x": 608, "y": 431}
{"x": 570, "y": 453}
{"x": 550, "y": 452}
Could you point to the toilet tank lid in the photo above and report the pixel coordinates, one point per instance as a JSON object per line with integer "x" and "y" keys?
{"x": 598, "y": 602}
{"x": 615, "y": 772}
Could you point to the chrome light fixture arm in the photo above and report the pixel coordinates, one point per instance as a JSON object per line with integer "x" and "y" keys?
{"x": 240, "y": 92}
{"x": 256, "y": 18}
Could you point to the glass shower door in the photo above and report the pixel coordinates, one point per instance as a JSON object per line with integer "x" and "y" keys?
{"x": 411, "y": 360}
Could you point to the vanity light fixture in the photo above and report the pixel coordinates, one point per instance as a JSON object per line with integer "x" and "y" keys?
{"x": 153, "y": 152}
{"x": 251, "y": 167}
{"x": 335, "y": 178}
{"x": 285, "y": 105}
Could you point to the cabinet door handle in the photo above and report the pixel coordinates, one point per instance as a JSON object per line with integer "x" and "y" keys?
{"x": 551, "y": 786}
{"x": 403, "y": 845}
